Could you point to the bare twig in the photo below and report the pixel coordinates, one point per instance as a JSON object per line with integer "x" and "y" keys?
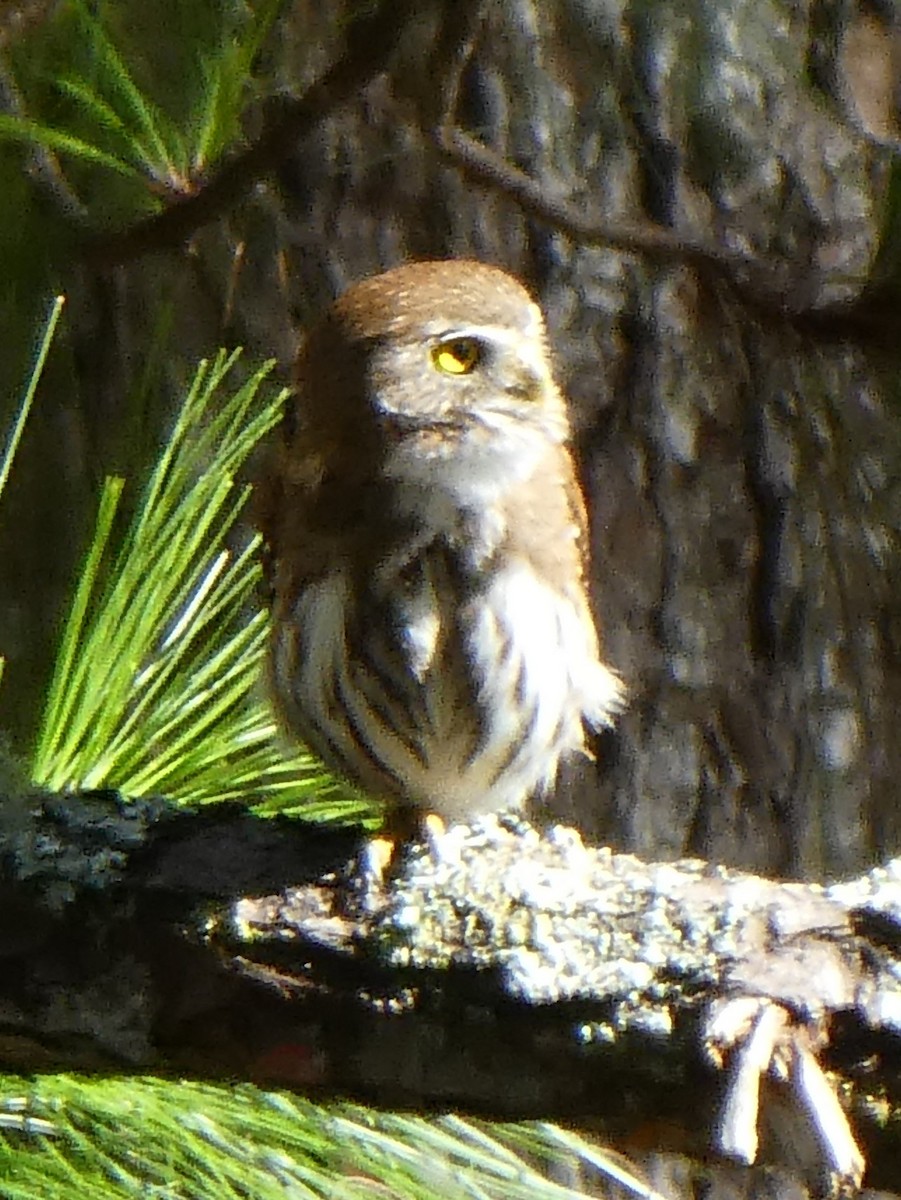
{"x": 487, "y": 168}
{"x": 451, "y": 53}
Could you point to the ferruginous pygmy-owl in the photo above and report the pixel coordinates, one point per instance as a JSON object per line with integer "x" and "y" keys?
{"x": 431, "y": 635}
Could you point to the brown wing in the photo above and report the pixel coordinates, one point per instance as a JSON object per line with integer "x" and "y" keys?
{"x": 284, "y": 502}
{"x": 307, "y": 500}
{"x": 548, "y": 526}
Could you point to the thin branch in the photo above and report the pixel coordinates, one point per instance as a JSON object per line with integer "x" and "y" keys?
{"x": 489, "y": 169}
{"x": 482, "y": 165}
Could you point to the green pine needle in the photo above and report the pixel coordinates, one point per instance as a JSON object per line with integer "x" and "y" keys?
{"x": 135, "y": 153}
{"x": 143, "y": 1137}
{"x": 9, "y": 453}
{"x": 156, "y": 688}
{"x": 82, "y": 95}
{"x": 21, "y": 129}
{"x": 152, "y": 136}
{"x": 15, "y": 436}
{"x": 226, "y": 70}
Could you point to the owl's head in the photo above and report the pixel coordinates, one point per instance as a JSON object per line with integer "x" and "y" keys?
{"x": 439, "y": 367}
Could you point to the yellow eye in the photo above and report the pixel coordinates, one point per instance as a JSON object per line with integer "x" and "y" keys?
{"x": 458, "y": 356}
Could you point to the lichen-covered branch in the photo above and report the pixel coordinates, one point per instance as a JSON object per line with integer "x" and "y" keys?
{"x": 498, "y": 971}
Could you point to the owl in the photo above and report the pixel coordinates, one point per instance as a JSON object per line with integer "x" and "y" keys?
{"x": 432, "y": 640}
